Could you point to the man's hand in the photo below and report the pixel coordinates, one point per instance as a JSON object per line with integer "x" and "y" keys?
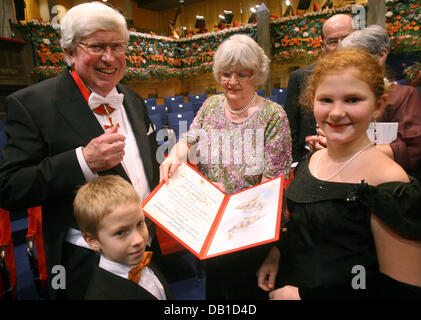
{"x": 105, "y": 151}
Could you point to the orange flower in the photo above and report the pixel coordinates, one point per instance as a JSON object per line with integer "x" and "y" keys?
{"x": 398, "y": 17}
{"x": 416, "y": 28}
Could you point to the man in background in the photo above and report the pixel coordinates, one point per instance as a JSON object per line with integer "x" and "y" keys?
{"x": 301, "y": 121}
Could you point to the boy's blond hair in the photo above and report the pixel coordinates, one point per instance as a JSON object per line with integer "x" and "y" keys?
{"x": 98, "y": 198}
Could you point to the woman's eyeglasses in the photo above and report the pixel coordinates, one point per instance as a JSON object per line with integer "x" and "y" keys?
{"x": 99, "y": 48}
{"x": 240, "y": 76}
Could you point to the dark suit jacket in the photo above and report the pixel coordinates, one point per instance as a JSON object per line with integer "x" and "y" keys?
{"x": 302, "y": 122}
{"x": 44, "y": 125}
{"x": 105, "y": 285}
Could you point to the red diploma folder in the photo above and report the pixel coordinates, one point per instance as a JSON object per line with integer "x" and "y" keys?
{"x": 209, "y": 222}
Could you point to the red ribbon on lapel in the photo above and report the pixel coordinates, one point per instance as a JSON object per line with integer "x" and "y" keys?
{"x": 83, "y": 89}
{"x": 86, "y": 93}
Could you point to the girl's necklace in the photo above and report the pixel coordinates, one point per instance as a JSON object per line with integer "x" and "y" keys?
{"x": 343, "y": 166}
{"x": 248, "y": 105}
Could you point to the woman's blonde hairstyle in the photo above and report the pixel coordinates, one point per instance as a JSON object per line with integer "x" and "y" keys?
{"x": 87, "y": 18}
{"x": 240, "y": 51}
{"x": 98, "y": 198}
{"x": 370, "y": 71}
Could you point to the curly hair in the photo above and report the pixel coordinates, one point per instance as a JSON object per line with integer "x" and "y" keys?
{"x": 241, "y": 51}
{"x": 370, "y": 71}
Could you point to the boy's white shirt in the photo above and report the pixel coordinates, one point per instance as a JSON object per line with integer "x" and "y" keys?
{"x": 148, "y": 280}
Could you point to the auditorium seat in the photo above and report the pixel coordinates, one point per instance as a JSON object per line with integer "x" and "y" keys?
{"x": 197, "y": 97}
{"x": 261, "y": 92}
{"x": 196, "y": 107}
{"x": 180, "y": 107}
{"x": 174, "y": 99}
{"x": 282, "y": 95}
{"x": 7, "y": 259}
{"x": 180, "y": 122}
{"x": 150, "y": 101}
{"x": 160, "y": 110}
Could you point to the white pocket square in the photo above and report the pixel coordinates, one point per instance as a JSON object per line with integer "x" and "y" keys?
{"x": 152, "y": 128}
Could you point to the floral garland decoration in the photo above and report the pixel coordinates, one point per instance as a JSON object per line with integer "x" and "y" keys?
{"x": 297, "y": 39}
{"x": 403, "y": 22}
{"x": 294, "y": 40}
{"x": 153, "y": 51}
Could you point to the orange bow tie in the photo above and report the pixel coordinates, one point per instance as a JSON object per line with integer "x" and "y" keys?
{"x": 136, "y": 272}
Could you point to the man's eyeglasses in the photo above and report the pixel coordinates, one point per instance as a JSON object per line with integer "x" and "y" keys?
{"x": 240, "y": 76}
{"x": 334, "y": 42}
{"x": 99, "y": 48}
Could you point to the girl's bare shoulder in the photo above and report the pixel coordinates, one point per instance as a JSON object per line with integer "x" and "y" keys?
{"x": 382, "y": 169}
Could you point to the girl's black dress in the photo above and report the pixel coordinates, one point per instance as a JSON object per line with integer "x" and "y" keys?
{"x": 328, "y": 249}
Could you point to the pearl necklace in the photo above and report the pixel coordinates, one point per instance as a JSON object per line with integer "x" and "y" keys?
{"x": 248, "y": 105}
{"x": 343, "y": 166}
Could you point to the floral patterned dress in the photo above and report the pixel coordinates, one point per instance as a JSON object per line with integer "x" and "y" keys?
{"x": 239, "y": 154}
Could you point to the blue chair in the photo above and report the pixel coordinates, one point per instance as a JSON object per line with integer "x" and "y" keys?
{"x": 280, "y": 91}
{"x": 282, "y": 94}
{"x": 274, "y": 98}
{"x": 180, "y": 107}
{"x": 175, "y": 99}
{"x": 197, "y": 97}
{"x": 160, "y": 110}
{"x": 180, "y": 122}
{"x": 156, "y": 119}
{"x": 261, "y": 92}
{"x": 150, "y": 101}
{"x": 196, "y": 107}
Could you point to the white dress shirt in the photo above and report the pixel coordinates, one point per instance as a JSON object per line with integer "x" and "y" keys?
{"x": 148, "y": 280}
{"x": 132, "y": 162}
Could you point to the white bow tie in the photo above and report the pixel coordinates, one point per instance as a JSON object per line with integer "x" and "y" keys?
{"x": 114, "y": 99}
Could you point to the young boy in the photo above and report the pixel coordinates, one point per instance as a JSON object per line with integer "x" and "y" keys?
{"x": 109, "y": 214}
